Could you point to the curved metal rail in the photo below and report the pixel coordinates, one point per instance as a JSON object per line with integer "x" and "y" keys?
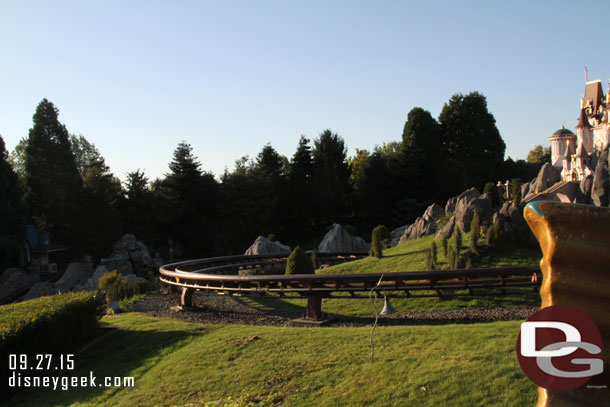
{"x": 221, "y": 275}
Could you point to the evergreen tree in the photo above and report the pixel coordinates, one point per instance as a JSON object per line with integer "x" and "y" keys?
{"x": 299, "y": 263}
{"x": 53, "y": 187}
{"x": 136, "y": 208}
{"x": 12, "y": 212}
{"x": 188, "y": 204}
{"x": 331, "y": 178}
{"x": 299, "y": 197}
{"x": 472, "y": 148}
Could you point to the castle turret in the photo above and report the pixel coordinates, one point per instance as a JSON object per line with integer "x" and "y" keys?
{"x": 559, "y": 145}
{"x": 584, "y": 130}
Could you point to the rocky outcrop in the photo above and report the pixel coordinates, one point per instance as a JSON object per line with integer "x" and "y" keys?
{"x": 583, "y": 193}
{"x": 263, "y": 245}
{"x": 511, "y": 222}
{"x": 75, "y": 275}
{"x": 339, "y": 240}
{"x": 547, "y": 177}
{"x": 42, "y": 289}
{"x": 463, "y": 216}
{"x": 131, "y": 256}
{"x": 396, "y": 234}
{"x": 600, "y": 190}
{"x": 424, "y": 225}
{"x": 446, "y": 230}
{"x": 14, "y": 280}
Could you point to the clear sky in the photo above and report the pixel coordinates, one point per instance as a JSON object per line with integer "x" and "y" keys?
{"x": 137, "y": 77}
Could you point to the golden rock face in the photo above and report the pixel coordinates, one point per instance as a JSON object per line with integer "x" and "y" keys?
{"x": 575, "y": 243}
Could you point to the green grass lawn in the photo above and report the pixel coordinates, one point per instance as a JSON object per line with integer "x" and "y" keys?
{"x": 184, "y": 364}
{"x": 410, "y": 256}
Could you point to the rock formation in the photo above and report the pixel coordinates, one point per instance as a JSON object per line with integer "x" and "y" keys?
{"x": 424, "y": 225}
{"x": 339, "y": 240}
{"x": 263, "y": 245}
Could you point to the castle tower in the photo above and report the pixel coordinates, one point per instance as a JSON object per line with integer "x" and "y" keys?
{"x": 559, "y": 145}
{"x": 584, "y": 130}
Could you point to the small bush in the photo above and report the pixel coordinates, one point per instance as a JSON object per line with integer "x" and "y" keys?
{"x": 515, "y": 190}
{"x": 379, "y": 234}
{"x": 314, "y": 259}
{"x": 52, "y": 324}
{"x": 475, "y": 233}
{"x": 433, "y": 252}
{"x": 491, "y": 190}
{"x": 468, "y": 261}
{"x": 444, "y": 245}
{"x": 457, "y": 240}
{"x": 114, "y": 285}
{"x": 299, "y": 263}
{"x": 272, "y": 237}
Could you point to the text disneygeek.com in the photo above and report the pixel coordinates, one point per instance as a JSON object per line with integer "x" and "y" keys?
{"x": 20, "y": 365}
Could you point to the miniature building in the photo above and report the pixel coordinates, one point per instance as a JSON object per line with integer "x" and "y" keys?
{"x": 574, "y": 154}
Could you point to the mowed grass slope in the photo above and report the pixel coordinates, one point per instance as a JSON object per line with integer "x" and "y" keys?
{"x": 410, "y": 256}
{"x": 178, "y": 364}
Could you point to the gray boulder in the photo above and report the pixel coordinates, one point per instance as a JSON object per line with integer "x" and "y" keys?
{"x": 463, "y": 216}
{"x": 447, "y": 230}
{"x": 450, "y": 205}
{"x": 340, "y": 240}
{"x": 465, "y": 198}
{"x": 396, "y": 234}
{"x": 131, "y": 256}
{"x": 42, "y": 289}
{"x": 76, "y": 274}
{"x": 263, "y": 245}
{"x": 14, "y": 280}
{"x": 424, "y": 225}
{"x": 600, "y": 190}
{"x": 583, "y": 193}
{"x": 547, "y": 177}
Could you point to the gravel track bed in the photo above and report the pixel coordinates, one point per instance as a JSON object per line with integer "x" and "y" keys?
{"x": 222, "y": 309}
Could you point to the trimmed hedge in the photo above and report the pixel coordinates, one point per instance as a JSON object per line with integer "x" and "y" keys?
{"x": 53, "y": 324}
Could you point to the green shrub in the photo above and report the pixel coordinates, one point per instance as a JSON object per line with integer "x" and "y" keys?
{"x": 433, "y": 252}
{"x": 515, "y": 190}
{"x": 52, "y": 324}
{"x": 299, "y": 263}
{"x": 114, "y": 285}
{"x": 272, "y": 237}
{"x": 491, "y": 190}
{"x": 444, "y": 245}
{"x": 457, "y": 240}
{"x": 379, "y": 234}
{"x": 475, "y": 233}
{"x": 314, "y": 259}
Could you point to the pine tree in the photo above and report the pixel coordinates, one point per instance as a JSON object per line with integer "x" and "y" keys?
{"x": 475, "y": 233}
{"x": 299, "y": 263}
{"x": 12, "y": 212}
{"x": 53, "y": 186}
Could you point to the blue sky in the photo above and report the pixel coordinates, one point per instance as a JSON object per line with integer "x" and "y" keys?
{"x": 136, "y": 78}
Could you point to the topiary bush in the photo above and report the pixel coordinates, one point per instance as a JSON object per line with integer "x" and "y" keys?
{"x": 271, "y": 237}
{"x": 113, "y": 285}
{"x": 491, "y": 190}
{"x": 515, "y": 190}
{"x": 299, "y": 263}
{"x": 314, "y": 259}
{"x": 53, "y": 324}
{"x": 475, "y": 233}
{"x": 379, "y": 234}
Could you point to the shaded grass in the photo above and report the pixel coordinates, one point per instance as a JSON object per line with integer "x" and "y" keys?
{"x": 178, "y": 363}
{"x": 410, "y": 256}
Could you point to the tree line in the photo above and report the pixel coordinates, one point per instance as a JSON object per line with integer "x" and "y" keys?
{"x": 61, "y": 184}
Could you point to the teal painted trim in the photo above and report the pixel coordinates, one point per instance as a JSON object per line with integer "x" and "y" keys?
{"x": 535, "y": 206}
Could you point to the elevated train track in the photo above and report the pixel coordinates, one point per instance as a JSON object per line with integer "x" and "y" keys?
{"x": 222, "y": 276}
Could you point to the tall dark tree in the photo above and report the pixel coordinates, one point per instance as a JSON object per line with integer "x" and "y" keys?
{"x": 473, "y": 150}
{"x": 12, "y": 212}
{"x": 331, "y": 178}
{"x": 136, "y": 208}
{"x": 102, "y": 198}
{"x": 191, "y": 196}
{"x": 53, "y": 186}
{"x": 270, "y": 171}
{"x": 300, "y": 202}
{"x": 422, "y": 162}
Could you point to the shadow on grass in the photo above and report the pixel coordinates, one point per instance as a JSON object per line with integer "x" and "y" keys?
{"x": 273, "y": 305}
{"x": 117, "y": 355}
{"x": 404, "y": 254}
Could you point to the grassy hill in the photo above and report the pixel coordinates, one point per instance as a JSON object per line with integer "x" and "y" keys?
{"x": 183, "y": 364}
{"x": 410, "y": 256}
